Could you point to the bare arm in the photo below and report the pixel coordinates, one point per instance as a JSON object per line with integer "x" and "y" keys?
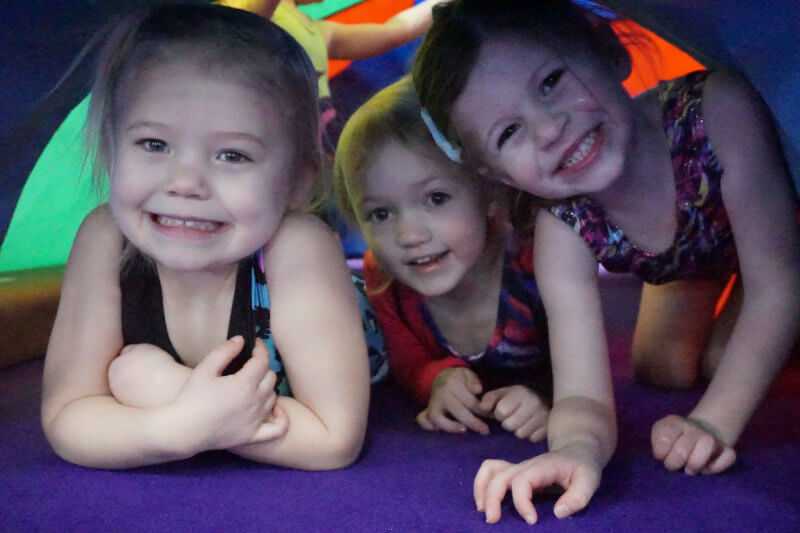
{"x": 583, "y": 403}
{"x": 87, "y": 335}
{"x": 761, "y": 206}
{"x": 317, "y": 329}
{"x": 359, "y": 41}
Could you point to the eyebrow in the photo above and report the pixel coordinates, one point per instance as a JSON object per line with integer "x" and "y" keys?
{"x": 422, "y": 183}
{"x": 145, "y": 124}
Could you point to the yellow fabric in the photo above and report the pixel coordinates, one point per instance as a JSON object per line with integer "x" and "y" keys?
{"x": 308, "y": 34}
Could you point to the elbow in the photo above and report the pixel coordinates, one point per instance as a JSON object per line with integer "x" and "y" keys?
{"x": 341, "y": 452}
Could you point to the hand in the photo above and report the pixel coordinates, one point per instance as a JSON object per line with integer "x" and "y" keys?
{"x": 573, "y": 469}
{"x": 690, "y": 444}
{"x": 228, "y": 411}
{"x": 454, "y": 403}
{"x": 519, "y": 410}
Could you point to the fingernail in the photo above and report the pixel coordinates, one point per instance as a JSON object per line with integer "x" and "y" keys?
{"x": 530, "y": 519}
{"x": 561, "y": 510}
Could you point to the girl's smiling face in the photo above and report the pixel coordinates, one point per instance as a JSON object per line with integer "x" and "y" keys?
{"x": 202, "y": 169}
{"x": 425, "y": 221}
{"x": 552, "y": 125}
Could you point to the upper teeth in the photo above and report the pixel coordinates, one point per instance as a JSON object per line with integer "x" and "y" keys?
{"x": 424, "y": 260}
{"x": 202, "y": 225}
{"x": 583, "y": 149}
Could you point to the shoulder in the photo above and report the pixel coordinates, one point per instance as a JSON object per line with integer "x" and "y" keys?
{"x": 729, "y": 100}
{"x": 99, "y": 231}
{"x": 738, "y": 123}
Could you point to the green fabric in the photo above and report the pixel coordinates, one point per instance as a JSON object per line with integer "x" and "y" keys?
{"x": 327, "y": 8}
{"x": 57, "y": 196}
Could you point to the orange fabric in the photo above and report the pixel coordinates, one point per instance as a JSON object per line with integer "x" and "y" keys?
{"x": 367, "y": 11}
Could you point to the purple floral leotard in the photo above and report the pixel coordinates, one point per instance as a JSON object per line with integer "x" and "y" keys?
{"x": 703, "y": 246}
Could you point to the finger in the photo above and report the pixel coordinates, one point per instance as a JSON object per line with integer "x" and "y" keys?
{"x": 489, "y": 400}
{"x": 539, "y": 435}
{"x": 218, "y": 359}
{"x": 473, "y": 383}
{"x": 489, "y": 468}
{"x": 523, "y": 414}
{"x": 724, "y": 460}
{"x": 507, "y": 406}
{"x": 529, "y": 427}
{"x": 705, "y": 449}
{"x": 257, "y": 366}
{"x": 441, "y": 421}
{"x": 267, "y": 384}
{"x": 274, "y": 427}
{"x": 582, "y": 486}
{"x": 522, "y": 495}
{"x": 496, "y": 490}
{"x": 468, "y": 419}
{"x": 463, "y": 396}
{"x": 424, "y": 421}
{"x": 679, "y": 454}
{"x": 664, "y": 434}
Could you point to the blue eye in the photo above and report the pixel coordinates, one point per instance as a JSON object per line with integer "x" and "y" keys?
{"x": 506, "y": 135}
{"x": 377, "y": 215}
{"x": 233, "y": 156}
{"x": 550, "y": 82}
{"x": 153, "y": 145}
{"x": 438, "y": 198}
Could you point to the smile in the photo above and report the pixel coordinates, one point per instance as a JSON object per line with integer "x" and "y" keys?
{"x": 583, "y": 153}
{"x": 192, "y": 224}
{"x": 427, "y": 260}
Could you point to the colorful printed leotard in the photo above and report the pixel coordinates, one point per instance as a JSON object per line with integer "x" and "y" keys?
{"x": 703, "y": 246}
{"x": 143, "y": 317}
{"x": 418, "y": 352}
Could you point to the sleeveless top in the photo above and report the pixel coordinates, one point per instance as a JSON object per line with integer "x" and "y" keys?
{"x": 143, "y": 318}
{"x": 519, "y": 339}
{"x": 703, "y": 247}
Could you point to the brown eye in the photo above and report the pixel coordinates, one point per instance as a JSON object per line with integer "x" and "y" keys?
{"x": 550, "y": 82}
{"x": 506, "y": 135}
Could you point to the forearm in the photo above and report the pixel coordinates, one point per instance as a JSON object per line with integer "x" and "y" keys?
{"x": 756, "y": 351}
{"x": 581, "y": 422}
{"x": 312, "y": 442}
{"x": 98, "y": 432}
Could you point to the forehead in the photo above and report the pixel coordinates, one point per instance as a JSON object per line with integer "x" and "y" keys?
{"x": 184, "y": 91}
{"x": 501, "y": 76}
{"x": 396, "y": 168}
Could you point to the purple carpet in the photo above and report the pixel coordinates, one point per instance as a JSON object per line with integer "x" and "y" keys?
{"x": 406, "y": 480}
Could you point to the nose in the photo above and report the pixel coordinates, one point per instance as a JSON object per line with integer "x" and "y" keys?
{"x": 411, "y": 230}
{"x": 187, "y": 179}
{"x": 546, "y": 124}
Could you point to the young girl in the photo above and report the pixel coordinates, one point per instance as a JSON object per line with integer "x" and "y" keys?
{"x": 210, "y": 162}
{"x": 454, "y": 296}
{"x": 682, "y": 186}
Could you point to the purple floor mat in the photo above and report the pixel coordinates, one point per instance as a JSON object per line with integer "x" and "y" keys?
{"x": 406, "y": 480}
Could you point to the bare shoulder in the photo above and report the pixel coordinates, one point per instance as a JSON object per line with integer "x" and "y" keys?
{"x": 303, "y": 238}
{"x": 734, "y": 112}
{"x": 98, "y": 240}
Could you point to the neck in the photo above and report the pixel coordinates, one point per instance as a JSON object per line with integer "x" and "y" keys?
{"x": 480, "y": 283}
{"x": 192, "y": 285}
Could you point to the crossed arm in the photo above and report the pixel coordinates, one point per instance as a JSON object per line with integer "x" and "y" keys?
{"x": 200, "y": 409}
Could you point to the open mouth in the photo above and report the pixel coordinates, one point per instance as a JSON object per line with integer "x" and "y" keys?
{"x": 191, "y": 224}
{"x": 427, "y": 261}
{"x": 581, "y": 154}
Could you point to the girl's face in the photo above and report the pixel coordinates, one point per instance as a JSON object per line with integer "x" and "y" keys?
{"x": 425, "y": 222}
{"x": 551, "y": 125}
{"x": 202, "y": 171}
